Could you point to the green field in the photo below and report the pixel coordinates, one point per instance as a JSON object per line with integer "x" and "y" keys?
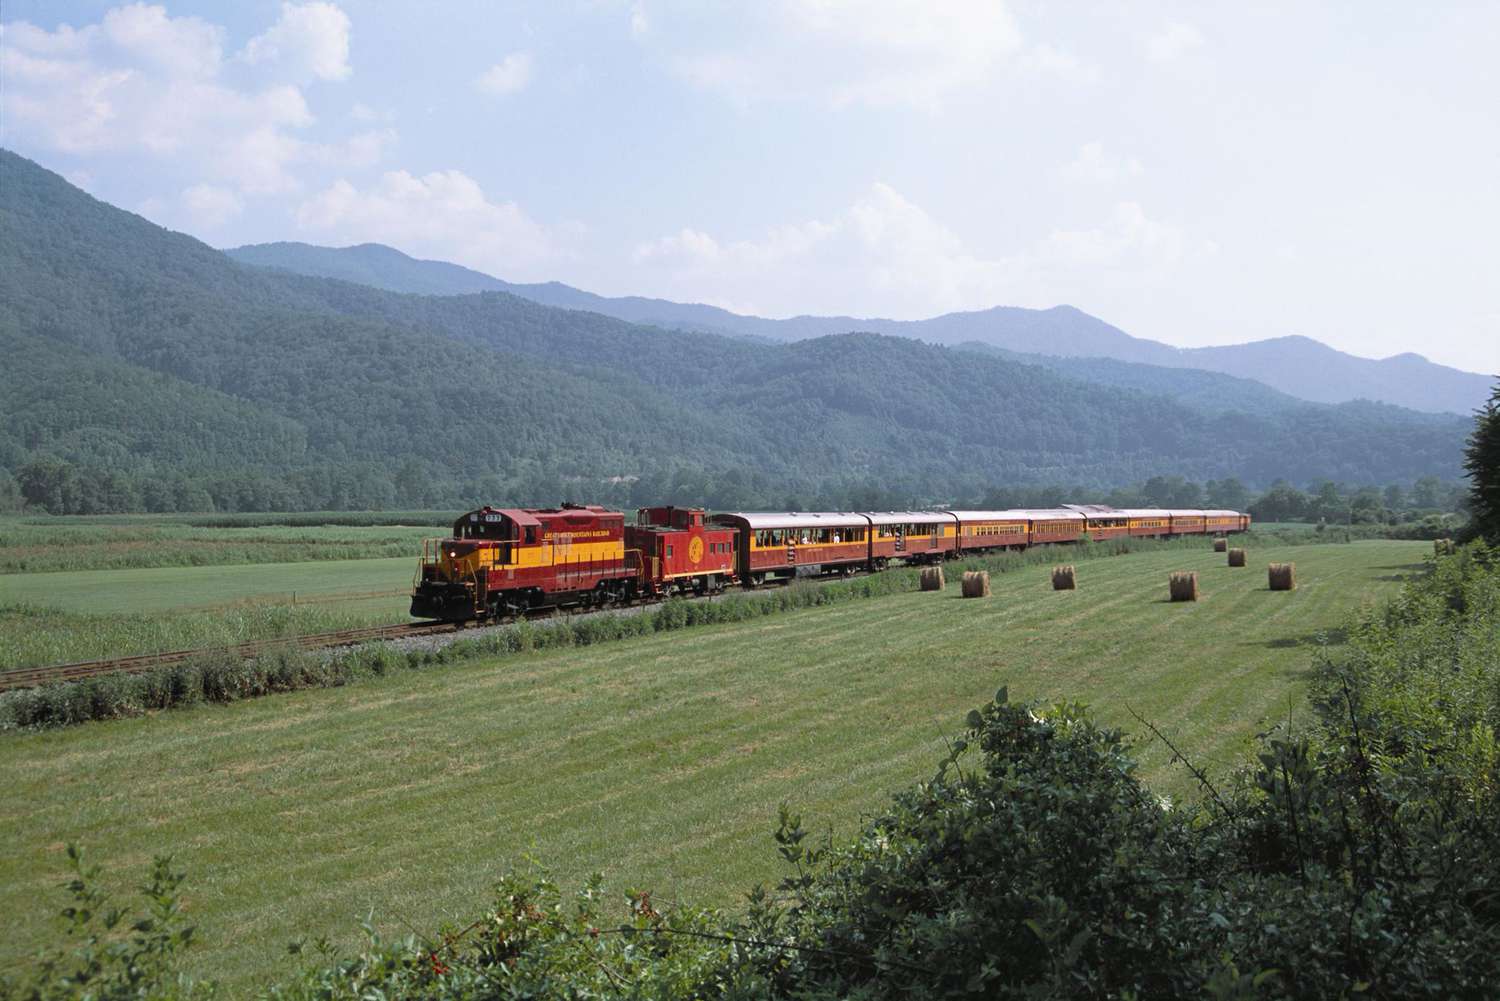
{"x": 60, "y": 617}
{"x": 659, "y": 760}
{"x": 33, "y": 544}
{"x": 164, "y": 589}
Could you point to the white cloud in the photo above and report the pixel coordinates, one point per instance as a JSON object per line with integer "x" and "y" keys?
{"x": 209, "y": 206}
{"x": 308, "y": 40}
{"x": 363, "y": 149}
{"x": 1129, "y": 240}
{"x": 142, "y": 81}
{"x": 640, "y": 23}
{"x": 1093, "y": 165}
{"x": 1173, "y": 41}
{"x": 179, "y": 46}
{"x": 880, "y": 53}
{"x": 1045, "y": 59}
{"x": 887, "y": 256}
{"x": 509, "y": 76}
{"x": 444, "y": 214}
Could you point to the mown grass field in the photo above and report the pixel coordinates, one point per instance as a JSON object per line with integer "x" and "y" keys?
{"x": 60, "y": 617}
{"x": 658, "y": 760}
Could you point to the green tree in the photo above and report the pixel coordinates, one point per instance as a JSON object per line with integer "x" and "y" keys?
{"x": 1367, "y": 507}
{"x": 51, "y": 485}
{"x": 1482, "y": 463}
{"x": 1283, "y": 502}
{"x": 1425, "y": 492}
{"x": 1228, "y": 494}
{"x": 10, "y": 492}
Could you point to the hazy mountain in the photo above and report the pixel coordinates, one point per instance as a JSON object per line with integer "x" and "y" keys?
{"x": 144, "y": 366}
{"x": 1314, "y": 371}
{"x": 1295, "y": 365}
{"x": 1213, "y": 392}
{"x": 371, "y": 264}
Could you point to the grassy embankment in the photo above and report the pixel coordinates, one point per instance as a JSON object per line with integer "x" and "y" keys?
{"x": 659, "y": 760}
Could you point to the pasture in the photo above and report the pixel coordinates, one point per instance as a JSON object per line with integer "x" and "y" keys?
{"x": 658, "y": 760}
{"x": 39, "y": 544}
{"x": 59, "y": 617}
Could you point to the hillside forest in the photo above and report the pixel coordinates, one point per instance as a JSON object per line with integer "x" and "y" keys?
{"x": 147, "y": 371}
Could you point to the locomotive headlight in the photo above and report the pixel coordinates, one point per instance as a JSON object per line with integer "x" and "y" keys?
{"x": 453, "y": 555}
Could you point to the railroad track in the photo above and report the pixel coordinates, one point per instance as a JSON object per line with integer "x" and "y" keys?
{"x": 30, "y": 677}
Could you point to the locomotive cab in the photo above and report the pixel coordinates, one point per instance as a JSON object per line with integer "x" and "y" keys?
{"x": 450, "y": 576}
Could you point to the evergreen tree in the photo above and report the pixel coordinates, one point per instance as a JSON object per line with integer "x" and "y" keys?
{"x": 1482, "y": 463}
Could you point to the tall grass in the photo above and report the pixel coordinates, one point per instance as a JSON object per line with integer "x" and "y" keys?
{"x": 32, "y": 636}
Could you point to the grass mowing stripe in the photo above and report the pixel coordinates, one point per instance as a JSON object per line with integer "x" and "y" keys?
{"x": 659, "y": 760}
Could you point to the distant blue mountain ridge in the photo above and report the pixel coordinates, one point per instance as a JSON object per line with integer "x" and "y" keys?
{"x": 1296, "y": 366}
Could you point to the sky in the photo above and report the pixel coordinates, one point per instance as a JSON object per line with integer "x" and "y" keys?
{"x": 1196, "y": 172}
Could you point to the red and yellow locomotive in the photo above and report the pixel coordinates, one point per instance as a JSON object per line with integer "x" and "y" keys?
{"x": 506, "y": 561}
{"x": 509, "y": 561}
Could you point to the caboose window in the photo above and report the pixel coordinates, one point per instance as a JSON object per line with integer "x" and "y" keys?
{"x": 669, "y": 549}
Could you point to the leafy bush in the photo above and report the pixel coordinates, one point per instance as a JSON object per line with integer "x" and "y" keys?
{"x": 112, "y": 955}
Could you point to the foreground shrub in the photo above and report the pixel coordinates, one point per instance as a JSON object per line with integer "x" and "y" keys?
{"x": 110, "y": 954}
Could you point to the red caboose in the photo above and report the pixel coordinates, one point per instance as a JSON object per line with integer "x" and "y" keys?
{"x": 678, "y": 553}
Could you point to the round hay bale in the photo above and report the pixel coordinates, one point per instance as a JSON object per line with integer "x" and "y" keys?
{"x": 1442, "y": 547}
{"x": 1236, "y": 557}
{"x": 1221, "y": 545}
{"x": 932, "y": 579}
{"x": 1283, "y": 576}
{"x": 1183, "y": 585}
{"x": 976, "y": 584}
{"x": 1064, "y": 578}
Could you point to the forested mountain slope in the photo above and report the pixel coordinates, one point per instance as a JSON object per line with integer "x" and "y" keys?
{"x": 1213, "y": 392}
{"x": 1299, "y": 366}
{"x": 145, "y": 354}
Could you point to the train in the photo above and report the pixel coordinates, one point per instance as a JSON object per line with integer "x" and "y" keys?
{"x": 507, "y": 562}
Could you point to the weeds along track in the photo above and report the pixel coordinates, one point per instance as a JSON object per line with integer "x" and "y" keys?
{"x": 31, "y": 677}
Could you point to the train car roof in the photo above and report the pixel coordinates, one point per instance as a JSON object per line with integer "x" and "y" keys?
{"x": 905, "y": 517}
{"x": 797, "y": 519}
{"x": 1019, "y": 514}
{"x": 988, "y": 515}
